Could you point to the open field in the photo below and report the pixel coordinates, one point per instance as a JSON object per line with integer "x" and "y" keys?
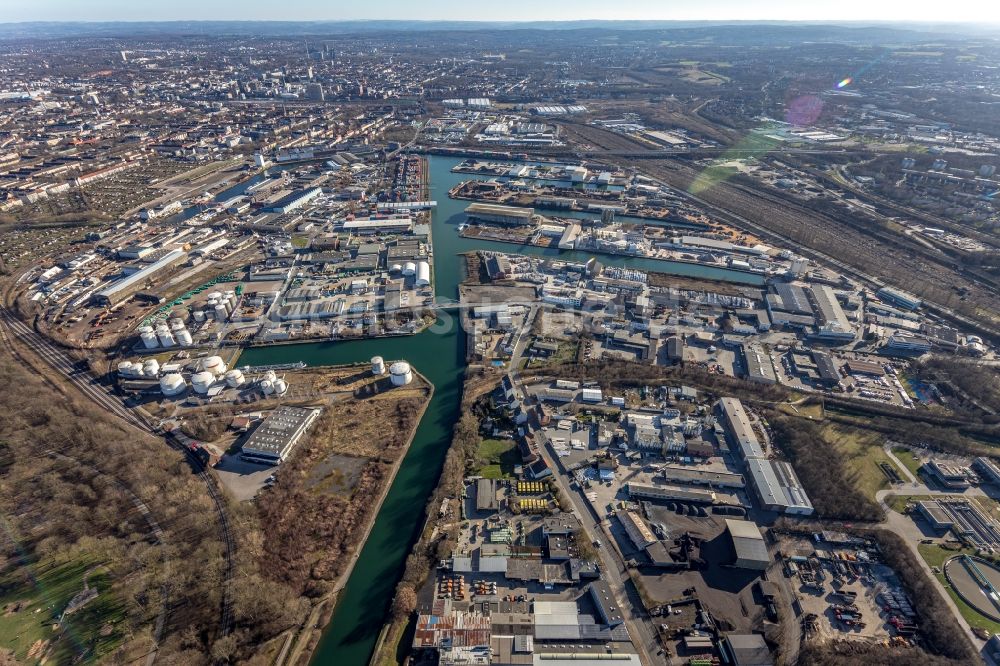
{"x": 908, "y": 459}
{"x": 30, "y": 617}
{"x": 499, "y": 457}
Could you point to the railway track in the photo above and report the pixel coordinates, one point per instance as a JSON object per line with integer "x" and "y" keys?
{"x": 83, "y": 380}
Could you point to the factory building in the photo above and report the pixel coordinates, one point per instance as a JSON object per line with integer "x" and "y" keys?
{"x": 760, "y": 370}
{"x": 294, "y": 201}
{"x": 833, "y": 323}
{"x": 739, "y": 430}
{"x": 128, "y": 286}
{"x": 748, "y": 544}
{"x": 900, "y": 298}
{"x": 636, "y": 529}
{"x": 935, "y": 515}
{"x": 278, "y": 434}
{"x": 949, "y": 476}
{"x": 987, "y": 470}
{"x": 746, "y": 650}
{"x": 670, "y": 493}
{"x": 777, "y": 487}
{"x": 506, "y": 215}
{"x": 789, "y": 306}
{"x": 604, "y": 601}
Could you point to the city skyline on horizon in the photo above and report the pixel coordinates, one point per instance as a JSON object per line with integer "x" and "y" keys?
{"x": 848, "y": 11}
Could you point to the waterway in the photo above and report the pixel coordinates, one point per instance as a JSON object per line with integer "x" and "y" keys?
{"x": 439, "y": 354}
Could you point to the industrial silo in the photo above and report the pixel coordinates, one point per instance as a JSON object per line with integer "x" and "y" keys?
{"x": 400, "y": 373}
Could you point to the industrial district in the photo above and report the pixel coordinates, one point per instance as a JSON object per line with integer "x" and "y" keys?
{"x": 479, "y": 345}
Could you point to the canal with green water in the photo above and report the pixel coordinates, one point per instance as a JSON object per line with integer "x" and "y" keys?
{"x": 439, "y": 354}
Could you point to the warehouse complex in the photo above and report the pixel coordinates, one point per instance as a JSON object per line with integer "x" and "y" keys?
{"x": 775, "y": 483}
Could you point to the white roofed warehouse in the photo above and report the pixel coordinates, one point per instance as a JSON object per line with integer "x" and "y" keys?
{"x": 277, "y": 435}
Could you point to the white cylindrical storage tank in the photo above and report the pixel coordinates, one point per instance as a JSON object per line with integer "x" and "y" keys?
{"x": 221, "y": 313}
{"x": 280, "y": 386}
{"x": 269, "y": 376}
{"x": 125, "y": 368}
{"x": 410, "y": 268}
{"x": 231, "y": 299}
{"x": 396, "y": 268}
{"x": 423, "y": 274}
{"x": 215, "y": 365}
{"x": 202, "y": 381}
{"x": 199, "y": 315}
{"x": 151, "y": 368}
{"x": 165, "y": 337}
{"x": 235, "y": 378}
{"x": 215, "y": 296}
{"x": 184, "y": 338}
{"x": 378, "y": 365}
{"x": 267, "y": 386}
{"x": 176, "y": 321}
{"x": 172, "y": 384}
{"x": 148, "y": 337}
{"x": 400, "y": 373}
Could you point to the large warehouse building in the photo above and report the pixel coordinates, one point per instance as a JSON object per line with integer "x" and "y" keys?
{"x": 126, "y": 287}
{"x": 275, "y": 438}
{"x": 500, "y": 214}
{"x": 748, "y": 543}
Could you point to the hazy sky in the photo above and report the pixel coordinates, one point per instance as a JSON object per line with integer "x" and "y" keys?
{"x": 518, "y": 10}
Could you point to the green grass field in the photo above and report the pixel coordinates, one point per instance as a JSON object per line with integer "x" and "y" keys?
{"x": 499, "y": 457}
{"x": 906, "y": 457}
{"x": 862, "y": 453}
{"x": 39, "y": 593}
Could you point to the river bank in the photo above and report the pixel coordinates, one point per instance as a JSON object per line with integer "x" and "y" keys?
{"x": 310, "y": 632}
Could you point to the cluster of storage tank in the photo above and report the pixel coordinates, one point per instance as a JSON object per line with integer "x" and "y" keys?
{"x": 271, "y": 384}
{"x": 400, "y": 372}
{"x": 136, "y": 369}
{"x": 219, "y": 306}
{"x": 166, "y": 335}
{"x": 421, "y": 271}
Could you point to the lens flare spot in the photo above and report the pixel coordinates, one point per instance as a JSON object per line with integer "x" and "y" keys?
{"x": 803, "y": 111}
{"x": 846, "y": 82}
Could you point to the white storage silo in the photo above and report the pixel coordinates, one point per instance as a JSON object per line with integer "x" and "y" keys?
{"x": 396, "y": 268}
{"x": 177, "y": 325}
{"x": 199, "y": 315}
{"x": 214, "y": 365}
{"x": 378, "y": 366}
{"x": 148, "y": 337}
{"x": 423, "y": 274}
{"x": 165, "y": 337}
{"x": 410, "y": 268}
{"x": 125, "y": 369}
{"x": 231, "y": 299}
{"x": 235, "y": 378}
{"x": 172, "y": 384}
{"x": 202, "y": 381}
{"x": 221, "y": 312}
{"x": 184, "y": 338}
{"x": 215, "y": 296}
{"x": 280, "y": 387}
{"x": 267, "y": 386}
{"x": 151, "y": 368}
{"x": 400, "y": 373}
{"x": 269, "y": 376}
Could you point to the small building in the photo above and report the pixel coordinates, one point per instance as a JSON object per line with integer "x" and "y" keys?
{"x": 746, "y": 650}
{"x": 486, "y": 495}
